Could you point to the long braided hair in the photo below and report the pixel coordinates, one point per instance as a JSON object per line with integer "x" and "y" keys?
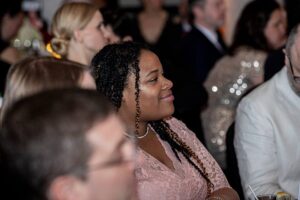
{"x": 111, "y": 69}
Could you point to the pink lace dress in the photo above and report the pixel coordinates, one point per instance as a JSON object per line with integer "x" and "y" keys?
{"x": 158, "y": 182}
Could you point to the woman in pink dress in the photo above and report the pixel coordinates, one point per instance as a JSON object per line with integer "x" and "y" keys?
{"x": 172, "y": 163}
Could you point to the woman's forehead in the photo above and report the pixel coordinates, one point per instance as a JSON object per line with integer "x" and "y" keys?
{"x": 149, "y": 61}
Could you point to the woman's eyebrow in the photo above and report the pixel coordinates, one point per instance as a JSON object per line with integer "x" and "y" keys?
{"x": 152, "y": 72}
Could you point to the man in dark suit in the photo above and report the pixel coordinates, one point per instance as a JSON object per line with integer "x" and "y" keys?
{"x": 198, "y": 52}
{"x": 203, "y": 46}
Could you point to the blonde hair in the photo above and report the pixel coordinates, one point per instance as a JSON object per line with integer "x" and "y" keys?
{"x": 35, "y": 74}
{"x": 68, "y": 18}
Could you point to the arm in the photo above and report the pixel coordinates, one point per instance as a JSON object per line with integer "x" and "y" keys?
{"x": 10, "y": 55}
{"x": 222, "y": 189}
{"x": 255, "y": 149}
{"x": 224, "y": 194}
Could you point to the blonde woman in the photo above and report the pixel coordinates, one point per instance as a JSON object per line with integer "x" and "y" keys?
{"x": 79, "y": 32}
{"x": 35, "y": 74}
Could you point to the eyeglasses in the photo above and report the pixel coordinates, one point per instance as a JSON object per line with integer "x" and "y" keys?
{"x": 120, "y": 160}
{"x": 296, "y": 78}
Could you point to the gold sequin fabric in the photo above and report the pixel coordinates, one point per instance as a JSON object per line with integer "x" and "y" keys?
{"x": 229, "y": 80}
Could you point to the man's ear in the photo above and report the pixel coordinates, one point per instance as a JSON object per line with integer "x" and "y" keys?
{"x": 286, "y": 59}
{"x": 66, "y": 188}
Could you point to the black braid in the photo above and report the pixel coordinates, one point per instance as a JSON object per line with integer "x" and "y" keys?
{"x": 137, "y": 96}
{"x": 160, "y": 130}
{"x": 111, "y": 68}
{"x": 177, "y": 145}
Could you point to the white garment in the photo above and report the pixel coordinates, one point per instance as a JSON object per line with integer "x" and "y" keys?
{"x": 267, "y": 138}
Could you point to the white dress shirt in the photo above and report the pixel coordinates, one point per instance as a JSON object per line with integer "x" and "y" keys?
{"x": 267, "y": 138}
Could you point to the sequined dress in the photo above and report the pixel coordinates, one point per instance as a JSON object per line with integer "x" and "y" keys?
{"x": 229, "y": 80}
{"x": 156, "y": 181}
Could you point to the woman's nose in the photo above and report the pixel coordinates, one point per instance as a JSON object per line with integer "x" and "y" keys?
{"x": 167, "y": 84}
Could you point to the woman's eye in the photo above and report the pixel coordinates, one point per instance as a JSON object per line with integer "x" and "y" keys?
{"x": 153, "y": 80}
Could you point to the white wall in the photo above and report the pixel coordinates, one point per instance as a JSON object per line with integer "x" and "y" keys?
{"x": 48, "y": 8}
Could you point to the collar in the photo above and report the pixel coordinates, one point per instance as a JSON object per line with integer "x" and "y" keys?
{"x": 211, "y": 35}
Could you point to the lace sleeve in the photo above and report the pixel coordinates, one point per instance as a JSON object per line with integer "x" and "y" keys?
{"x": 215, "y": 173}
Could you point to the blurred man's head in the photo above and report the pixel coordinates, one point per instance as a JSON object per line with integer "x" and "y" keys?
{"x": 11, "y": 19}
{"x": 292, "y": 59}
{"x": 65, "y": 144}
{"x": 208, "y": 13}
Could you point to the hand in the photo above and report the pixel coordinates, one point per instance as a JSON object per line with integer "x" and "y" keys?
{"x": 224, "y": 194}
{"x": 283, "y": 196}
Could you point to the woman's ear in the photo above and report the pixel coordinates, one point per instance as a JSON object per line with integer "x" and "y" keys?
{"x": 125, "y": 95}
{"x": 78, "y": 35}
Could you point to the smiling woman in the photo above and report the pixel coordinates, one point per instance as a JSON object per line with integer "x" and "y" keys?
{"x": 172, "y": 162}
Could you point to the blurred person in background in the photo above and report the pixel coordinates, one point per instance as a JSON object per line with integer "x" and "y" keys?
{"x": 260, "y": 29}
{"x": 79, "y": 32}
{"x": 198, "y": 51}
{"x": 35, "y": 74}
{"x": 33, "y": 35}
{"x": 118, "y": 24}
{"x": 11, "y": 19}
{"x": 157, "y": 28}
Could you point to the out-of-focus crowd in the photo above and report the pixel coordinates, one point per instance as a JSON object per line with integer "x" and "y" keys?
{"x": 152, "y": 102}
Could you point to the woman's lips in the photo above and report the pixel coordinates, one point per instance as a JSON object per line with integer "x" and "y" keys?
{"x": 168, "y": 97}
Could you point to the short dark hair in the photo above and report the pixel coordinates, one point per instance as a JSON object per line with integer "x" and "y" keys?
{"x": 249, "y": 30}
{"x": 44, "y": 136}
{"x": 12, "y": 8}
{"x": 194, "y": 2}
{"x": 120, "y": 21}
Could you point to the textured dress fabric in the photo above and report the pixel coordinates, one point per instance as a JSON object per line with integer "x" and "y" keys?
{"x": 228, "y": 81}
{"x": 157, "y": 181}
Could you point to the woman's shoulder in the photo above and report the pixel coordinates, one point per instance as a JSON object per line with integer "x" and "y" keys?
{"x": 242, "y": 53}
{"x": 241, "y": 56}
{"x": 176, "y": 124}
{"x": 181, "y": 129}
{"x": 250, "y": 54}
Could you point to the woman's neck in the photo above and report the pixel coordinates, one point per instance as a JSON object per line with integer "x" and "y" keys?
{"x": 78, "y": 58}
{"x": 151, "y": 11}
{"x": 131, "y": 125}
{"x": 77, "y": 54}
